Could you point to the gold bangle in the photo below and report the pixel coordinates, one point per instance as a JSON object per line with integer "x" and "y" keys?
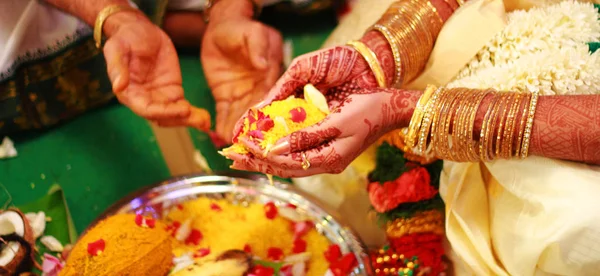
{"x": 395, "y": 52}
{"x": 529, "y": 124}
{"x": 507, "y": 142}
{"x": 101, "y": 18}
{"x": 427, "y": 122}
{"x": 417, "y": 117}
{"x": 371, "y": 59}
{"x": 522, "y": 124}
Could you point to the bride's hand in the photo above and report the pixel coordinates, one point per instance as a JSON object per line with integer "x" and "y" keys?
{"x": 358, "y": 119}
{"x": 337, "y": 72}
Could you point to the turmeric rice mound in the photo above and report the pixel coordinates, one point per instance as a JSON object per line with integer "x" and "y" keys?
{"x": 289, "y": 115}
{"x": 129, "y": 249}
{"x": 232, "y": 226}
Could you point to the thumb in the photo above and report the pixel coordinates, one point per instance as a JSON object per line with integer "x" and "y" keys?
{"x": 117, "y": 55}
{"x": 257, "y": 39}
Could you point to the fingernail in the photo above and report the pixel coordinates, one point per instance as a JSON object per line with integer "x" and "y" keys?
{"x": 116, "y": 82}
{"x": 221, "y": 153}
{"x": 262, "y": 62}
{"x": 258, "y": 104}
{"x": 281, "y": 148}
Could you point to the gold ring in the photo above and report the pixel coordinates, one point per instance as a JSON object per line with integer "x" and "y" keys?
{"x": 305, "y": 162}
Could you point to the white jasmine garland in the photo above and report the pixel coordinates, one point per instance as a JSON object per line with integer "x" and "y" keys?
{"x": 544, "y": 49}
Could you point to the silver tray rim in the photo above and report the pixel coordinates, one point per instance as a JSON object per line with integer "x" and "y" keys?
{"x": 146, "y": 193}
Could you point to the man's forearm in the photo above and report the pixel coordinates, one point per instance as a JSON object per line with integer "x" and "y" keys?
{"x": 87, "y": 11}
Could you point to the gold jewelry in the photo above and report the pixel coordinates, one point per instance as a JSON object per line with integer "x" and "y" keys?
{"x": 522, "y": 124}
{"x": 395, "y": 51}
{"x": 371, "y": 59}
{"x": 529, "y": 124}
{"x": 305, "y": 162}
{"x": 417, "y": 117}
{"x": 427, "y": 121}
{"x": 460, "y": 2}
{"x": 410, "y": 27}
{"x": 101, "y": 18}
{"x": 506, "y": 151}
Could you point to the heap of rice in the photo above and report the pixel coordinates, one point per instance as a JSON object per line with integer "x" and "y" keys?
{"x": 280, "y": 118}
{"x": 123, "y": 244}
{"x": 223, "y": 226}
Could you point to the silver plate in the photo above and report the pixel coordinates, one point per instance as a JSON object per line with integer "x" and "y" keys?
{"x": 241, "y": 188}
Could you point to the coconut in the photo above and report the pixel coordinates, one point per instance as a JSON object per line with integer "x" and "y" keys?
{"x": 16, "y": 253}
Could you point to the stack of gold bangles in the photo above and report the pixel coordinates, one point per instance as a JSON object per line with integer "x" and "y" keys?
{"x": 444, "y": 121}
{"x": 410, "y": 27}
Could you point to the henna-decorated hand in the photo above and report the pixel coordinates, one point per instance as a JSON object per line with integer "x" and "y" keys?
{"x": 337, "y": 72}
{"x": 357, "y": 120}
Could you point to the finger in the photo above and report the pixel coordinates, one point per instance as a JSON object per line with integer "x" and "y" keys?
{"x": 158, "y": 111}
{"x": 117, "y": 55}
{"x": 256, "y": 39}
{"x": 310, "y": 137}
{"x": 199, "y": 118}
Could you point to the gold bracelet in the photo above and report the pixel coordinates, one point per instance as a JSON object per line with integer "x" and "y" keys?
{"x": 507, "y": 142}
{"x": 472, "y": 147}
{"x": 395, "y": 52}
{"x": 417, "y": 117}
{"x": 485, "y": 126}
{"x": 371, "y": 59}
{"x": 529, "y": 125}
{"x": 522, "y": 124}
{"x": 502, "y": 116}
{"x": 102, "y": 16}
{"x": 427, "y": 122}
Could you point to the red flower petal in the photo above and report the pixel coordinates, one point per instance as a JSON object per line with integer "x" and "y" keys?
{"x": 298, "y": 114}
{"x": 179, "y": 206}
{"x": 139, "y": 220}
{"x": 289, "y": 205}
{"x": 194, "y": 238}
{"x": 150, "y": 222}
{"x": 333, "y": 253}
{"x": 215, "y": 207}
{"x": 286, "y": 270}
{"x": 260, "y": 270}
{"x": 96, "y": 248}
{"x": 301, "y": 228}
{"x": 247, "y": 248}
{"x": 201, "y": 252}
{"x": 344, "y": 266}
{"x": 265, "y": 124}
{"x": 256, "y": 134}
{"x": 271, "y": 210}
{"x": 299, "y": 246}
{"x": 274, "y": 253}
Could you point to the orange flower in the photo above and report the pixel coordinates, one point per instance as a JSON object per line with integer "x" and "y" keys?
{"x": 411, "y": 186}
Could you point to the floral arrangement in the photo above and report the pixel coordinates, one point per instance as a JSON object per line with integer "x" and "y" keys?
{"x": 546, "y": 49}
{"x": 550, "y": 49}
{"x": 403, "y": 190}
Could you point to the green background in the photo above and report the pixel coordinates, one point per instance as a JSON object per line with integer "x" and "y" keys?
{"x": 107, "y": 153}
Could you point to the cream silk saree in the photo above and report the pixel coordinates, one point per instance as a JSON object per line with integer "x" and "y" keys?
{"x": 536, "y": 216}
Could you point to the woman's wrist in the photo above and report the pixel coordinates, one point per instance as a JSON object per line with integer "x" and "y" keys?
{"x": 379, "y": 45}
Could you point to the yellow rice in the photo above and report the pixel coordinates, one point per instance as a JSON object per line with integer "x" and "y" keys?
{"x": 235, "y": 226}
{"x": 279, "y": 130}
